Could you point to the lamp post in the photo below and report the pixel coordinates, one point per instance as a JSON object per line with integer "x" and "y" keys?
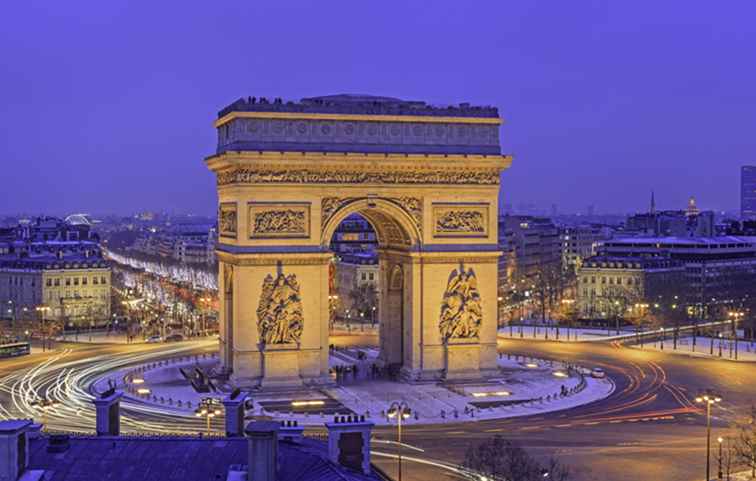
{"x": 735, "y": 316}
{"x": 12, "y": 312}
{"x": 399, "y": 410}
{"x": 709, "y": 399}
{"x": 42, "y": 310}
{"x": 720, "y": 440}
{"x": 208, "y": 409}
{"x": 206, "y": 302}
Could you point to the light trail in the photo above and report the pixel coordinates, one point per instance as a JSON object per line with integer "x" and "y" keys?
{"x": 70, "y": 383}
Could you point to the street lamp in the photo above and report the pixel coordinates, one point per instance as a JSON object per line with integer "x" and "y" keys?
{"x": 735, "y": 316}
{"x": 43, "y": 310}
{"x": 208, "y": 409}
{"x": 399, "y": 410}
{"x": 708, "y": 398}
{"x": 720, "y": 440}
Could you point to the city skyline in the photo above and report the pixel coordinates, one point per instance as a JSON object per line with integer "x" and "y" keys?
{"x": 622, "y": 95}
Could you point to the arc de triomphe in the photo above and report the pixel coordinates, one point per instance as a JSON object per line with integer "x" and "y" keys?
{"x": 427, "y": 180}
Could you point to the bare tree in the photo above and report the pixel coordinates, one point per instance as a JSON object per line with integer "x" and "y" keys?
{"x": 502, "y": 460}
{"x": 618, "y": 301}
{"x": 745, "y": 446}
{"x": 364, "y": 299}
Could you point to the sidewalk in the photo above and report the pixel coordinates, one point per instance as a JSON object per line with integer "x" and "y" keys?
{"x": 746, "y": 349}
{"x": 592, "y": 334}
{"x": 544, "y": 333}
{"x": 98, "y": 338}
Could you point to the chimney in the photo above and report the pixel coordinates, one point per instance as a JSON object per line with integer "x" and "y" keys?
{"x": 349, "y": 442}
{"x": 263, "y": 450}
{"x": 14, "y": 448}
{"x": 235, "y": 405}
{"x": 107, "y": 407}
{"x": 291, "y": 432}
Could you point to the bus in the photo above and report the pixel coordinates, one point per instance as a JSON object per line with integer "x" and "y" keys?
{"x": 14, "y": 349}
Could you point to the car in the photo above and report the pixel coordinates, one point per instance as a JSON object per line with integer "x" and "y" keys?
{"x": 598, "y": 373}
{"x": 174, "y": 338}
{"x": 154, "y": 339}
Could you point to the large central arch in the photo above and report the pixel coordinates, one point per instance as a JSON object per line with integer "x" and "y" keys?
{"x": 426, "y": 179}
{"x": 398, "y": 237}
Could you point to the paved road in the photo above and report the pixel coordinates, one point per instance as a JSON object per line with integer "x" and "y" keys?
{"x": 648, "y": 428}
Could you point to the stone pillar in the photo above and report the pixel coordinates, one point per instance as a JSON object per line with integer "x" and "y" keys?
{"x": 263, "y": 450}
{"x": 234, "y": 407}
{"x": 349, "y": 442}
{"x": 108, "y": 414}
{"x": 14, "y": 448}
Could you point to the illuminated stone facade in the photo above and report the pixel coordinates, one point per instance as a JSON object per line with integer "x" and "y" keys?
{"x": 427, "y": 180}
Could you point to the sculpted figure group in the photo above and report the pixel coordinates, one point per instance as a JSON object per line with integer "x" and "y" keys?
{"x": 461, "y": 312}
{"x": 279, "y": 314}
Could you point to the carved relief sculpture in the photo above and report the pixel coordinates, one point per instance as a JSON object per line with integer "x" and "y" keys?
{"x": 279, "y": 220}
{"x": 227, "y": 219}
{"x": 461, "y": 312}
{"x": 460, "y": 220}
{"x": 461, "y": 176}
{"x": 279, "y": 314}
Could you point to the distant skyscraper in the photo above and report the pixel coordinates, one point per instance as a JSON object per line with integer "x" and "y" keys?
{"x": 748, "y": 192}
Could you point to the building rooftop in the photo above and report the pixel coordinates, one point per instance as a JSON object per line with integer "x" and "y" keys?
{"x": 358, "y": 104}
{"x": 176, "y": 459}
{"x": 721, "y": 241}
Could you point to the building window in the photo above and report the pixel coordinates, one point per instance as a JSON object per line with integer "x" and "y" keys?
{"x": 48, "y": 282}
{"x": 76, "y": 281}
{"x": 102, "y": 280}
{"x": 68, "y": 281}
{"x": 84, "y": 281}
{"x": 371, "y": 276}
{"x": 95, "y": 280}
{"x": 57, "y": 282}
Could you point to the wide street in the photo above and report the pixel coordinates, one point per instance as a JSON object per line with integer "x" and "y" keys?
{"x": 648, "y": 428}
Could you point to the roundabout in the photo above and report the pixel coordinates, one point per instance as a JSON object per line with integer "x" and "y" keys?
{"x": 648, "y": 422}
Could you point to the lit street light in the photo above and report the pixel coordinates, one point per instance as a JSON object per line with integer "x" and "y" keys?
{"x": 709, "y": 399}
{"x": 208, "y": 408}
{"x": 400, "y": 411}
{"x": 720, "y": 440}
{"x": 43, "y": 310}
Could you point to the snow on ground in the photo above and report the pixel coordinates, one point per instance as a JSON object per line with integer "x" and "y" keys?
{"x": 565, "y": 335}
{"x": 96, "y": 338}
{"x": 704, "y": 348}
{"x": 524, "y": 388}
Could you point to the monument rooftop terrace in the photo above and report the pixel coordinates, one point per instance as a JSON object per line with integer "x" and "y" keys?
{"x": 358, "y": 105}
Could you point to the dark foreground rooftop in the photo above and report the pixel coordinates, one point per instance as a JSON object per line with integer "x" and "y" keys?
{"x": 176, "y": 459}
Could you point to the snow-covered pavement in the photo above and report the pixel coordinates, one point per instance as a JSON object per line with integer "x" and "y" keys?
{"x": 544, "y": 333}
{"x": 706, "y": 347}
{"x": 524, "y": 387}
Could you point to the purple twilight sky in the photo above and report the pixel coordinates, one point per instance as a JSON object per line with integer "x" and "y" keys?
{"x": 107, "y": 105}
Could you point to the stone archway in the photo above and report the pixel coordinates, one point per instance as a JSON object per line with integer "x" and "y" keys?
{"x": 398, "y": 236}
{"x": 427, "y": 179}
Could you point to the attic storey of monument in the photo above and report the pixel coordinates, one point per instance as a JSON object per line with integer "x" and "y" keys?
{"x": 425, "y": 178}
